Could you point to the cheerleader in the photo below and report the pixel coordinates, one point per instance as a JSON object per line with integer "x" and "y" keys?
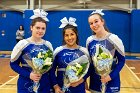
{"x": 69, "y": 51}
{"x": 30, "y": 46}
{"x": 113, "y": 43}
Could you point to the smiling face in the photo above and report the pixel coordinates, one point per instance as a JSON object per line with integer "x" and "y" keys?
{"x": 96, "y": 23}
{"x": 70, "y": 38}
{"x": 38, "y": 29}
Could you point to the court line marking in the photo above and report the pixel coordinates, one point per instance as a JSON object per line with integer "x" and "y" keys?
{"x": 8, "y": 81}
{"x": 133, "y": 73}
{"x": 132, "y": 68}
{"x": 8, "y": 88}
{"x": 131, "y": 87}
{"x": 11, "y": 76}
{"x": 137, "y": 73}
{"x": 18, "y": 75}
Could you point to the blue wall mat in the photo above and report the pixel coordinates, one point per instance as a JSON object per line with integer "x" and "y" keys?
{"x": 9, "y": 24}
{"x": 123, "y": 24}
{"x": 54, "y": 33}
{"x": 135, "y": 31}
{"x": 27, "y": 21}
{"x": 120, "y": 25}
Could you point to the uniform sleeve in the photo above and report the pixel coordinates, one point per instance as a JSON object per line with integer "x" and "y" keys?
{"x": 118, "y": 44}
{"x": 54, "y": 66}
{"x": 16, "y": 58}
{"x": 49, "y": 45}
{"x": 89, "y": 39}
{"x": 15, "y": 65}
{"x": 119, "y": 54}
{"x": 90, "y": 66}
{"x": 87, "y": 74}
{"x": 85, "y": 51}
{"x": 52, "y": 72}
{"x": 119, "y": 65}
{"x": 91, "y": 70}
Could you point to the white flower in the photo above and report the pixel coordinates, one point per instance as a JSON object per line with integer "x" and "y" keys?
{"x": 38, "y": 63}
{"x": 48, "y": 61}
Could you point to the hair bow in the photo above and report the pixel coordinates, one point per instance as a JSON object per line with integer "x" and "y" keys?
{"x": 39, "y": 13}
{"x": 98, "y": 11}
{"x": 65, "y": 22}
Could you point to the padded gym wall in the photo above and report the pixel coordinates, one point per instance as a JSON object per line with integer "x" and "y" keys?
{"x": 118, "y": 22}
{"x": 135, "y": 31}
{"x": 9, "y": 23}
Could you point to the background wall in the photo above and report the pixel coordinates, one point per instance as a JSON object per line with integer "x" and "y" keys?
{"x": 9, "y": 24}
{"x": 135, "y": 31}
{"x": 125, "y": 25}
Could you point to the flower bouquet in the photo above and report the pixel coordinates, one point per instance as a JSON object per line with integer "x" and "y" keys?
{"x": 102, "y": 61}
{"x": 40, "y": 61}
{"x": 75, "y": 71}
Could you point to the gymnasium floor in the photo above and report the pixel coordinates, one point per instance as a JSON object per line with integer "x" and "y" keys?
{"x": 130, "y": 75}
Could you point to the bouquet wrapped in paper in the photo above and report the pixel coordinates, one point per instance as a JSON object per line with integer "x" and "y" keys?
{"x": 40, "y": 60}
{"x": 75, "y": 71}
{"x": 102, "y": 62}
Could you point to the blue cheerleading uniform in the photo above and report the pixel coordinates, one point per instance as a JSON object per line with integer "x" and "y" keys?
{"x": 63, "y": 56}
{"x": 114, "y": 44}
{"x": 19, "y": 65}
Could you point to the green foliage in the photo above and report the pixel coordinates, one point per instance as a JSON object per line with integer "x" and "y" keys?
{"x": 84, "y": 65}
{"x": 100, "y": 50}
{"x": 44, "y": 68}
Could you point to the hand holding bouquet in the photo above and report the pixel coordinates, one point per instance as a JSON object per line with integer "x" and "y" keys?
{"x": 102, "y": 61}
{"x": 40, "y": 61}
{"x": 75, "y": 71}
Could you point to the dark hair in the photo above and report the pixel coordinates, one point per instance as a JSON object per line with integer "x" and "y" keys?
{"x": 22, "y": 27}
{"x": 38, "y": 19}
{"x": 73, "y": 28}
{"x": 102, "y": 19}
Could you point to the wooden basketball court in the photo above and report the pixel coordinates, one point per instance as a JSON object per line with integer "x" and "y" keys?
{"x": 130, "y": 77}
